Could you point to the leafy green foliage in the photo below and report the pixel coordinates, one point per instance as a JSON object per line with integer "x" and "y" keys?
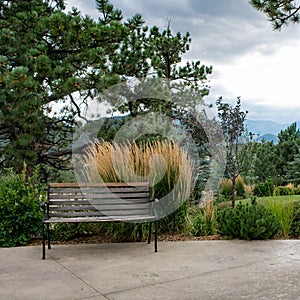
{"x": 175, "y": 222}
{"x": 247, "y": 222}
{"x": 203, "y": 220}
{"x": 295, "y": 227}
{"x": 283, "y": 191}
{"x": 20, "y": 213}
{"x": 264, "y": 189}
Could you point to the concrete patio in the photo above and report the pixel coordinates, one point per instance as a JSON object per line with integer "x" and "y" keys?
{"x": 180, "y": 270}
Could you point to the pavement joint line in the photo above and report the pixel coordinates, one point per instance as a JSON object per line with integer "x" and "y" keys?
{"x": 187, "y": 277}
{"x": 82, "y": 280}
{"x": 91, "y": 297}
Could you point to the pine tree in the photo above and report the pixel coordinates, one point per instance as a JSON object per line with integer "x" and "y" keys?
{"x": 50, "y": 58}
{"x": 279, "y": 12}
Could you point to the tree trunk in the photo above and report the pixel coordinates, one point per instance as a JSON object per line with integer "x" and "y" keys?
{"x": 233, "y": 192}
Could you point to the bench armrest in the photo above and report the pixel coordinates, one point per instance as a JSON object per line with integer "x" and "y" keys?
{"x": 43, "y": 206}
{"x": 154, "y": 207}
{"x": 155, "y": 200}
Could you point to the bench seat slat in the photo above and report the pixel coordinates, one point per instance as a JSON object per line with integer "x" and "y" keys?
{"x": 106, "y": 184}
{"x": 96, "y": 202}
{"x": 99, "y": 213}
{"x": 101, "y": 207}
{"x": 98, "y": 196}
{"x": 100, "y": 190}
{"x": 100, "y": 219}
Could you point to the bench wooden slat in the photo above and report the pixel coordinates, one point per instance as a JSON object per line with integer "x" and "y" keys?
{"x": 98, "y": 196}
{"x": 98, "y": 190}
{"x": 96, "y": 202}
{"x": 100, "y": 219}
{"x": 107, "y": 184}
{"x": 101, "y": 207}
{"x": 99, "y": 213}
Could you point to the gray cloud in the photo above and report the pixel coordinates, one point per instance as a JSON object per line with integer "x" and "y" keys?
{"x": 222, "y": 31}
{"x": 277, "y": 114}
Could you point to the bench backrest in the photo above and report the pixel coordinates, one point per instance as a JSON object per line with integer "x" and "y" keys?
{"x": 78, "y": 200}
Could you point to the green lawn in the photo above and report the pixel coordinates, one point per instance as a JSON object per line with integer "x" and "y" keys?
{"x": 261, "y": 200}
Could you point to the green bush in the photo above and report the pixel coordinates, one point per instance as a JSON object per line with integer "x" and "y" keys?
{"x": 20, "y": 213}
{"x": 264, "y": 189}
{"x": 284, "y": 191}
{"x": 240, "y": 187}
{"x": 295, "y": 228}
{"x": 250, "y": 221}
{"x": 220, "y": 199}
{"x": 198, "y": 224}
{"x": 176, "y": 222}
{"x": 296, "y": 191}
{"x": 203, "y": 220}
{"x": 226, "y": 188}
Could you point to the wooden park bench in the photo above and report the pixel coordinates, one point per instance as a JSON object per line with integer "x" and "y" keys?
{"x": 98, "y": 202}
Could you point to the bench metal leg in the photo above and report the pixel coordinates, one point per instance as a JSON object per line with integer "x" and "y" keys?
{"x": 43, "y": 241}
{"x": 155, "y": 237}
{"x": 48, "y": 236}
{"x": 149, "y": 233}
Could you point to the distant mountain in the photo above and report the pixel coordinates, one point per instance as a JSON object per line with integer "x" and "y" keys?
{"x": 268, "y": 137}
{"x": 267, "y": 130}
{"x": 261, "y": 127}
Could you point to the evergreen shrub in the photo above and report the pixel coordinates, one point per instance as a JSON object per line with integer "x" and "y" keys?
{"x": 249, "y": 221}
{"x": 264, "y": 189}
{"x": 284, "y": 191}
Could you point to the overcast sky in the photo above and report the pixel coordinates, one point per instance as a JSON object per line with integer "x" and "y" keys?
{"x": 249, "y": 59}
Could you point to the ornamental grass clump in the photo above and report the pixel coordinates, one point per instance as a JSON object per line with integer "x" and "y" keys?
{"x": 163, "y": 164}
{"x": 167, "y": 167}
{"x": 284, "y": 212}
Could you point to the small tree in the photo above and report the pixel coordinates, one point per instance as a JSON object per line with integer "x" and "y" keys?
{"x": 232, "y": 122}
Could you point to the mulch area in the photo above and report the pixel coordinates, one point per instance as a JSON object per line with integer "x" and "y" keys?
{"x": 98, "y": 239}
